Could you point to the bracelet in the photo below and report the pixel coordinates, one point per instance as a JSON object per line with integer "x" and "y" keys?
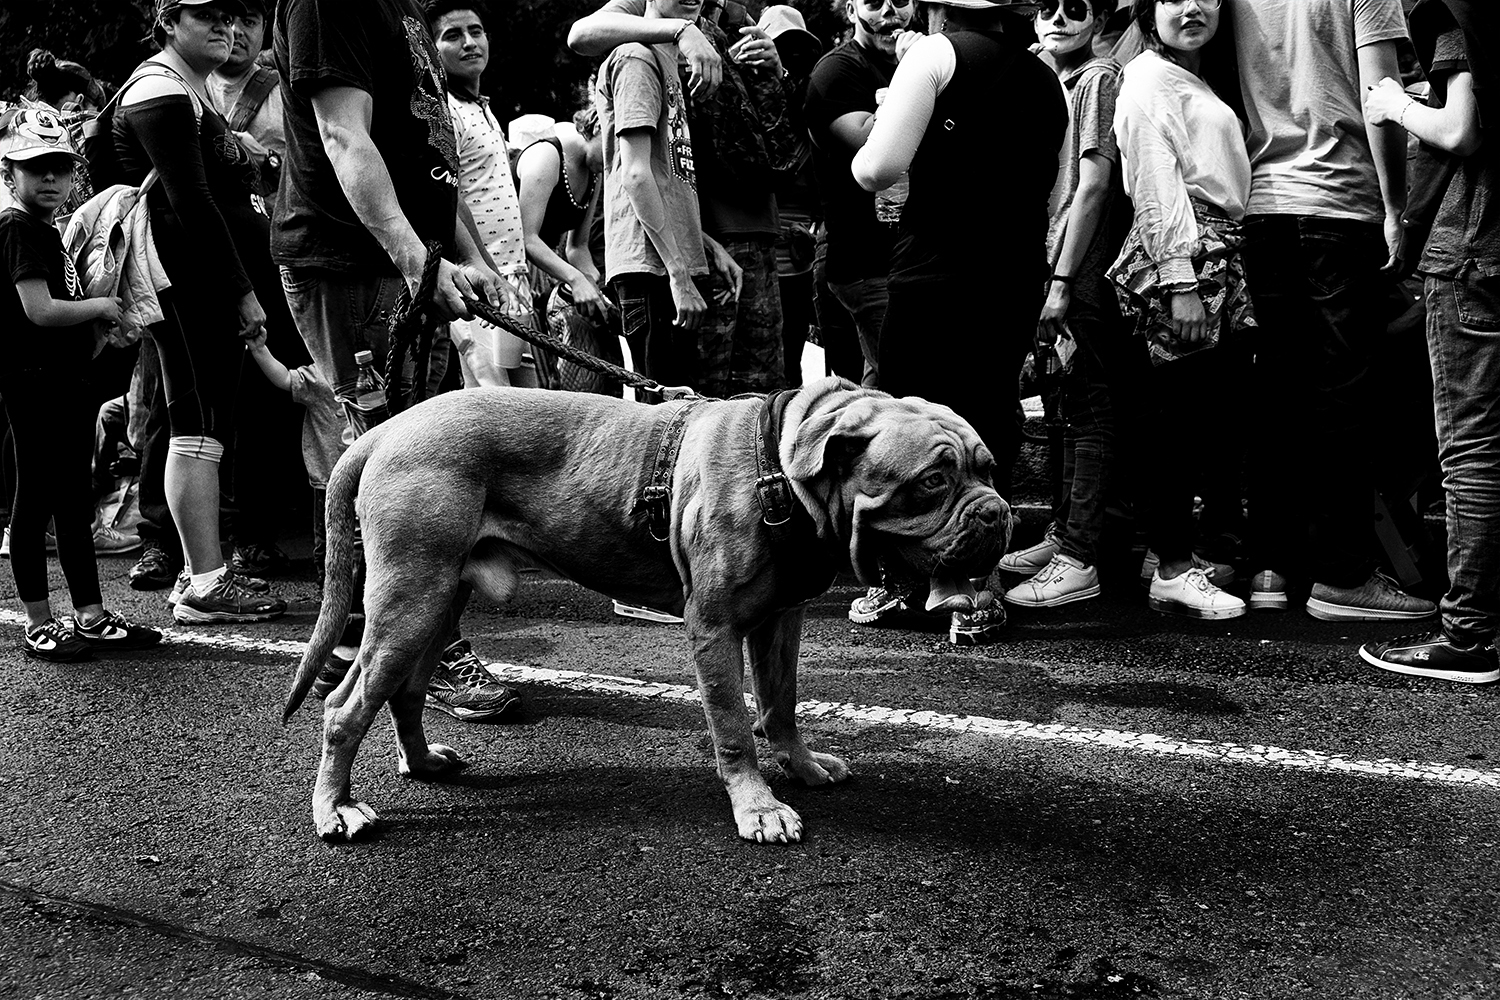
{"x": 1062, "y": 279}
{"x": 1401, "y": 118}
{"x": 677, "y": 35}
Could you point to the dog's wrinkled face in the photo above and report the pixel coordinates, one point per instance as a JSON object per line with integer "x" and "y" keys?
{"x": 910, "y": 483}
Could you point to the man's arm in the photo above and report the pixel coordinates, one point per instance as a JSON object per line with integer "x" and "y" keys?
{"x": 853, "y": 130}
{"x": 1387, "y": 145}
{"x": 645, "y": 200}
{"x": 602, "y": 31}
{"x": 344, "y": 115}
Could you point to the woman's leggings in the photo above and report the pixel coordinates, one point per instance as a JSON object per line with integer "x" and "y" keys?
{"x": 54, "y": 436}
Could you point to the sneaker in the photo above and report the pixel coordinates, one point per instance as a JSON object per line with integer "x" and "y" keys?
{"x": 50, "y": 538}
{"x": 252, "y": 559}
{"x": 1435, "y": 655}
{"x": 1193, "y": 595}
{"x": 1062, "y": 581}
{"x": 1268, "y": 591}
{"x": 1222, "y": 574}
{"x": 230, "y": 600}
{"x": 1378, "y": 599}
{"x": 110, "y": 541}
{"x": 875, "y": 605}
{"x": 979, "y": 627}
{"x": 645, "y": 614}
{"x": 331, "y": 674}
{"x": 251, "y": 583}
{"x": 52, "y": 640}
{"x": 1031, "y": 561}
{"x": 154, "y": 570}
{"x": 113, "y": 632}
{"x": 463, "y": 688}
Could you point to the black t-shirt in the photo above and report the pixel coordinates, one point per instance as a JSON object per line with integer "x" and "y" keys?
{"x": 843, "y": 82}
{"x": 31, "y": 248}
{"x": 384, "y": 49}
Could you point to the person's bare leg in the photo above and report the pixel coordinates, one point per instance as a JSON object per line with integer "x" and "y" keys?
{"x": 192, "y": 487}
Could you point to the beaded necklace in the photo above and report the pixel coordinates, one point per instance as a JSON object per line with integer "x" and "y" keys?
{"x": 588, "y": 192}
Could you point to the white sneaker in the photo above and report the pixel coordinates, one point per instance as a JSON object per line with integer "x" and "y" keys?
{"x": 1193, "y": 595}
{"x": 1222, "y": 574}
{"x": 1062, "y": 581}
{"x": 111, "y": 541}
{"x": 1031, "y": 561}
{"x": 645, "y": 614}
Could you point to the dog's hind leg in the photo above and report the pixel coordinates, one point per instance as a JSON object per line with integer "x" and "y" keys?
{"x": 774, "y": 647}
{"x": 415, "y": 757}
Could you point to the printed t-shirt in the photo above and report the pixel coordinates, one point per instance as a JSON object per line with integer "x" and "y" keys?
{"x": 843, "y": 82}
{"x": 1299, "y": 74}
{"x": 385, "y": 51}
{"x": 639, "y": 88}
{"x": 485, "y": 181}
{"x": 1466, "y": 231}
{"x": 29, "y": 249}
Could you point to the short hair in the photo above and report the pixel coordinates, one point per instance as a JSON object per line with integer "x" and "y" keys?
{"x": 435, "y": 9}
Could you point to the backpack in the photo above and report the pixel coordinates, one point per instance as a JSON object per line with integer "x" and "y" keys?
{"x": 98, "y": 145}
{"x": 257, "y": 89}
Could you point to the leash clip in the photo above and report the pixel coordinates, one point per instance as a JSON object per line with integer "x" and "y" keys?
{"x": 775, "y": 499}
{"x": 658, "y": 503}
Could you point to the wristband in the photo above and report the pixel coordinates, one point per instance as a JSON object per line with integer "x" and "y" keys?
{"x": 1401, "y": 118}
{"x": 677, "y": 35}
{"x": 1062, "y": 279}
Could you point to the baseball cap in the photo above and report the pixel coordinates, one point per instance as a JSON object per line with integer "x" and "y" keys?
{"x": 167, "y": 6}
{"x": 785, "y": 24}
{"x": 37, "y": 132}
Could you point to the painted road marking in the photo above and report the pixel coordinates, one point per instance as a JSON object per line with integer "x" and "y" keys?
{"x": 1253, "y": 754}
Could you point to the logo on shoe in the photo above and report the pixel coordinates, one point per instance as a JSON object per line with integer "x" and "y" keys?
{"x": 44, "y": 643}
{"x": 1421, "y": 654}
{"x": 112, "y": 632}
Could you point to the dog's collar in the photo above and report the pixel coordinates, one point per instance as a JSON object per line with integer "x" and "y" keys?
{"x": 661, "y": 461}
{"x": 795, "y": 544}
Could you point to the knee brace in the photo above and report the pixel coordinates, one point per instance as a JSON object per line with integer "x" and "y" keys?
{"x": 196, "y": 446}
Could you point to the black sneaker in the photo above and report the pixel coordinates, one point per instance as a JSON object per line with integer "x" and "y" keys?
{"x": 1435, "y": 655}
{"x": 252, "y": 559}
{"x": 465, "y": 690}
{"x": 52, "y": 640}
{"x": 154, "y": 570}
{"x": 110, "y": 631}
{"x": 229, "y": 601}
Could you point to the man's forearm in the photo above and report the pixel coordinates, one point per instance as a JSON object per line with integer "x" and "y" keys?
{"x": 601, "y": 32}
{"x": 1387, "y": 145}
{"x": 366, "y": 182}
{"x": 466, "y": 238}
{"x": 645, "y": 199}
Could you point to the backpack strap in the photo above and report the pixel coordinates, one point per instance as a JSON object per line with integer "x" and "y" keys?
{"x": 153, "y": 68}
{"x": 257, "y": 89}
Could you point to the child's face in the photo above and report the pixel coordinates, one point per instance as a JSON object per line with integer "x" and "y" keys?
{"x": 43, "y": 183}
{"x": 1064, "y": 26}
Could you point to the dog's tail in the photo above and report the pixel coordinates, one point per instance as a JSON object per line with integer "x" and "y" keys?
{"x": 338, "y": 580}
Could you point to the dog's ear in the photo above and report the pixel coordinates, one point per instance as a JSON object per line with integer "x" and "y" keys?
{"x": 832, "y": 437}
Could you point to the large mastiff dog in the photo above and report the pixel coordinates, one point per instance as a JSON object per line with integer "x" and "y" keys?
{"x": 474, "y": 486}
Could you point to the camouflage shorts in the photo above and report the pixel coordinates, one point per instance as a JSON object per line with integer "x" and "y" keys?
{"x": 739, "y": 347}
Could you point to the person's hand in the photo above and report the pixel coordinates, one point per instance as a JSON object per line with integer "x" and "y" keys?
{"x": 252, "y": 316}
{"x": 726, "y": 267}
{"x": 1393, "y": 232}
{"x": 691, "y": 309}
{"x": 107, "y": 310}
{"x": 705, "y": 68}
{"x": 256, "y": 342}
{"x": 755, "y": 49}
{"x": 455, "y": 283}
{"x": 257, "y": 152}
{"x": 1385, "y": 101}
{"x": 1051, "y": 325}
{"x": 905, "y": 39}
{"x": 1189, "y": 320}
{"x": 588, "y": 298}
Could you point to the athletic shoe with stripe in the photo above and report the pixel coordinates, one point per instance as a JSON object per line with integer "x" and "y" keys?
{"x": 110, "y": 631}
{"x": 463, "y": 688}
{"x": 53, "y": 640}
{"x": 251, "y": 583}
{"x": 229, "y": 601}
{"x": 1062, "y": 581}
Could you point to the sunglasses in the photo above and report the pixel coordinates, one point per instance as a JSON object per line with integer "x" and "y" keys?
{"x": 1076, "y": 10}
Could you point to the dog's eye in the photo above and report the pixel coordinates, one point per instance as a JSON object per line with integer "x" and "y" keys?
{"x": 934, "y": 481}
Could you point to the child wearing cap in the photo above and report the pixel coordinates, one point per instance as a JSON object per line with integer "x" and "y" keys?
{"x": 50, "y": 333}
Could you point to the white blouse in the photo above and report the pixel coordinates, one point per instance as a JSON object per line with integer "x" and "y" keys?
{"x": 1177, "y": 141}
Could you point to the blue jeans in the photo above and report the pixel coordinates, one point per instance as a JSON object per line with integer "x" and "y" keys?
{"x": 1321, "y": 303}
{"x": 1463, "y": 340}
{"x": 866, "y": 301}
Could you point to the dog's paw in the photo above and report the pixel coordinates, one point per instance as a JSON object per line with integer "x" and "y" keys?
{"x": 344, "y": 820}
{"x": 814, "y": 768}
{"x": 438, "y": 762}
{"x": 774, "y": 823}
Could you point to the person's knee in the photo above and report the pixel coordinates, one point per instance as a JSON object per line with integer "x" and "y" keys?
{"x": 199, "y": 446}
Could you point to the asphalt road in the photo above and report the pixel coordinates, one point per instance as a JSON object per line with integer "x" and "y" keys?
{"x": 1038, "y": 822}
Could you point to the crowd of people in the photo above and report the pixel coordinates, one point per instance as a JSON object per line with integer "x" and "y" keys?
{"x": 1192, "y": 215}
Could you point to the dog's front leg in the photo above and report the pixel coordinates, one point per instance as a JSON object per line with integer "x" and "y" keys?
{"x": 774, "y": 646}
{"x": 719, "y": 659}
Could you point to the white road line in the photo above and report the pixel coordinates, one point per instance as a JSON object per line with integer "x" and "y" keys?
{"x": 1253, "y": 754}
